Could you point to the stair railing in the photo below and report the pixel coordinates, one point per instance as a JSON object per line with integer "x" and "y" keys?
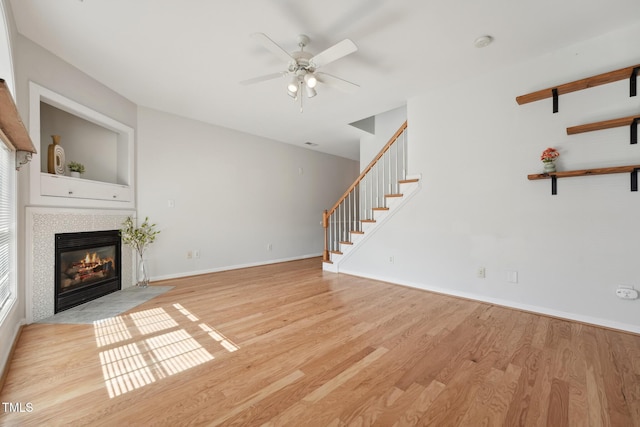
{"x": 381, "y": 178}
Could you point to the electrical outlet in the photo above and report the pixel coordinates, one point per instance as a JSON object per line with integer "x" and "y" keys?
{"x": 391, "y": 260}
{"x": 481, "y": 273}
{"x": 196, "y": 253}
{"x": 189, "y": 254}
{"x": 512, "y": 276}
{"x": 270, "y": 247}
{"x": 626, "y": 292}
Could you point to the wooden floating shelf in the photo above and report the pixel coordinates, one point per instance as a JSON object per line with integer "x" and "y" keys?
{"x": 606, "y": 124}
{"x": 12, "y": 129}
{"x": 631, "y": 121}
{"x": 600, "y": 79}
{"x": 553, "y": 176}
{"x": 584, "y": 172}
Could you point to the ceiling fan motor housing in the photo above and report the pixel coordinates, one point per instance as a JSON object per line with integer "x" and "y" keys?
{"x": 301, "y": 62}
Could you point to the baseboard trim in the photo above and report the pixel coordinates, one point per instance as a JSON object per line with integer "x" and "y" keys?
{"x": 545, "y": 311}
{"x": 232, "y": 267}
{"x": 7, "y": 362}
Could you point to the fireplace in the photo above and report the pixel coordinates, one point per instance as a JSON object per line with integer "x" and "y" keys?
{"x": 87, "y": 266}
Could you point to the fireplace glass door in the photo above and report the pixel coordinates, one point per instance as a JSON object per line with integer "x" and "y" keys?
{"x": 87, "y": 266}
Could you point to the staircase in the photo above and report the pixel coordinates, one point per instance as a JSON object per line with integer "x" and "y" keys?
{"x": 382, "y": 188}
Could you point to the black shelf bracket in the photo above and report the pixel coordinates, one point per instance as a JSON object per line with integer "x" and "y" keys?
{"x": 554, "y": 92}
{"x": 634, "y": 130}
{"x": 634, "y": 182}
{"x": 633, "y": 81}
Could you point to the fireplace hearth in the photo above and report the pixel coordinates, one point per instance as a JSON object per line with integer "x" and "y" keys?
{"x": 87, "y": 266}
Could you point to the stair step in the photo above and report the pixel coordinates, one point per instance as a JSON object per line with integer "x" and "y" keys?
{"x": 373, "y": 219}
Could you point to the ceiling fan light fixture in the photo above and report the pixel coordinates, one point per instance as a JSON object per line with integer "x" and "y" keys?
{"x": 293, "y": 85}
{"x": 310, "y": 80}
{"x": 294, "y": 95}
{"x": 311, "y": 92}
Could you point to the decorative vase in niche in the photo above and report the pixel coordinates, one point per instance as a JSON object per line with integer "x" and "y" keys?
{"x": 55, "y": 160}
{"x": 143, "y": 273}
{"x": 549, "y": 166}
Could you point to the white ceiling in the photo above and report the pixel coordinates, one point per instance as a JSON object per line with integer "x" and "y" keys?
{"x": 187, "y": 56}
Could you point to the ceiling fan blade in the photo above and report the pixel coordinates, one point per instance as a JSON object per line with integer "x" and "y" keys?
{"x": 263, "y": 78}
{"x": 337, "y": 51}
{"x": 272, "y": 47}
{"x": 337, "y": 82}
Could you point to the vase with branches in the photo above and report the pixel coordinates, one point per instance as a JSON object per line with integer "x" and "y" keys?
{"x": 139, "y": 238}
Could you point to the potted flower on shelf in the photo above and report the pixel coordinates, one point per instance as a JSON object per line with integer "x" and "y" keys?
{"x": 139, "y": 238}
{"x": 76, "y": 169}
{"x": 549, "y": 157}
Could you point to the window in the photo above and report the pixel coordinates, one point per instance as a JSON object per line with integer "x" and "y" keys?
{"x": 7, "y": 188}
{"x": 7, "y": 235}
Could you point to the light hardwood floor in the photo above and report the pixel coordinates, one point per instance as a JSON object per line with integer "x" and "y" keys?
{"x": 287, "y": 344}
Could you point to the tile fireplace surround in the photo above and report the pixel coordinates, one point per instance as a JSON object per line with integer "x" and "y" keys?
{"x": 41, "y": 226}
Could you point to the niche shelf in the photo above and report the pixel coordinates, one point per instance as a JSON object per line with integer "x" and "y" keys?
{"x": 553, "y": 176}
{"x": 630, "y": 73}
{"x": 631, "y": 121}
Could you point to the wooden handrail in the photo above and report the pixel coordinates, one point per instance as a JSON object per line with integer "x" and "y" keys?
{"x": 600, "y": 79}
{"x": 368, "y": 168}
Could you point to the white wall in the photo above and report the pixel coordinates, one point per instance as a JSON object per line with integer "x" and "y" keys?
{"x": 6, "y": 37}
{"x": 34, "y": 63}
{"x": 234, "y": 194}
{"x": 475, "y": 146}
{"x": 386, "y": 125}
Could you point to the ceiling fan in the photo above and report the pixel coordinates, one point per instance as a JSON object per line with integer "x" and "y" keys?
{"x": 302, "y": 66}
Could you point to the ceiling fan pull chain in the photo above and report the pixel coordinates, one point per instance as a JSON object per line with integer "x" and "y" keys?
{"x": 300, "y": 90}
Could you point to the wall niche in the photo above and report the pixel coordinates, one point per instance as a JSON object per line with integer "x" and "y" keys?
{"x": 85, "y": 142}
{"x": 103, "y": 145}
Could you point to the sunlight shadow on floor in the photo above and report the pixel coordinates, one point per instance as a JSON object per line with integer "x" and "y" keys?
{"x": 137, "y": 354}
